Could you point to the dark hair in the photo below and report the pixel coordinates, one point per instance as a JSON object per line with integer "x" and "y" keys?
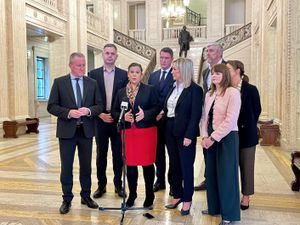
{"x": 110, "y": 45}
{"x": 135, "y": 64}
{"x": 75, "y": 54}
{"x": 168, "y": 50}
{"x": 226, "y": 79}
{"x": 236, "y": 64}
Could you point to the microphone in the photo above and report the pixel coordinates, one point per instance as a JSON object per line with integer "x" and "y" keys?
{"x": 124, "y": 107}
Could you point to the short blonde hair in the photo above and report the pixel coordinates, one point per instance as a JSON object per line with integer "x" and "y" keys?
{"x": 186, "y": 69}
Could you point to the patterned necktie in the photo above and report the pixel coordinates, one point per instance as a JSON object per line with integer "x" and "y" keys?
{"x": 78, "y": 93}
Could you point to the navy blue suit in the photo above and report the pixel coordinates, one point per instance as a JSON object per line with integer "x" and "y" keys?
{"x": 163, "y": 89}
{"x": 105, "y": 131}
{"x": 185, "y": 124}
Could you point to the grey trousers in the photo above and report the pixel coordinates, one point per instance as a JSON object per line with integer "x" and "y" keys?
{"x": 247, "y": 161}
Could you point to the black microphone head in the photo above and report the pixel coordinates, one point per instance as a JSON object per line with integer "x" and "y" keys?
{"x": 124, "y": 103}
{"x": 125, "y": 99}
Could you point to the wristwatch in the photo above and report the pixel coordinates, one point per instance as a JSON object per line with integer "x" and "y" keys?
{"x": 212, "y": 139}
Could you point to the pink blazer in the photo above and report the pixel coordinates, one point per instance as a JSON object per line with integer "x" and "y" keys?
{"x": 226, "y": 113}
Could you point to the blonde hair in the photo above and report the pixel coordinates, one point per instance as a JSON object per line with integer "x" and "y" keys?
{"x": 186, "y": 69}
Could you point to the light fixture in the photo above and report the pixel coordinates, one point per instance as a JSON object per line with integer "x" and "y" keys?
{"x": 186, "y": 3}
{"x": 174, "y": 8}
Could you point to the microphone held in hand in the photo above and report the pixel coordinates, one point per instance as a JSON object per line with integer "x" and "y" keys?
{"x": 124, "y": 107}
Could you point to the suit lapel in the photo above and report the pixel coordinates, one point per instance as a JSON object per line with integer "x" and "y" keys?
{"x": 182, "y": 96}
{"x": 169, "y": 77}
{"x": 85, "y": 89}
{"x": 102, "y": 86}
{"x": 69, "y": 88}
{"x": 116, "y": 81}
{"x": 157, "y": 77}
{"x": 168, "y": 95}
{"x": 139, "y": 96}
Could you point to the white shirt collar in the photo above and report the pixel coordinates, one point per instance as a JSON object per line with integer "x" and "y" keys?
{"x": 219, "y": 62}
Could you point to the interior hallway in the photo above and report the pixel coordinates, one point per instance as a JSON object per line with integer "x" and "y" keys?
{"x": 30, "y": 191}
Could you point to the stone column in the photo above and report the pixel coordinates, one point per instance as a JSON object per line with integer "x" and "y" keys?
{"x": 16, "y": 58}
{"x": 4, "y": 109}
{"x": 82, "y": 27}
{"x": 153, "y": 22}
{"x": 215, "y": 19}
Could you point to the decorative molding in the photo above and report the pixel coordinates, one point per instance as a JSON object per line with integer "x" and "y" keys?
{"x": 269, "y": 4}
{"x": 95, "y": 40}
{"x": 53, "y": 9}
{"x": 235, "y": 37}
{"x": 43, "y": 19}
{"x": 271, "y": 13}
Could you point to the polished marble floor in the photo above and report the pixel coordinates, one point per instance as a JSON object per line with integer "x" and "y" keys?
{"x": 30, "y": 191}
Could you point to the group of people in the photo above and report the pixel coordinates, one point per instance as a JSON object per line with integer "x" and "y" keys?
{"x": 170, "y": 111}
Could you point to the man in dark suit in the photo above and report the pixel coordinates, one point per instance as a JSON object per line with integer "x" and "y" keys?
{"x": 162, "y": 80}
{"x": 75, "y": 100}
{"x": 110, "y": 79}
{"x": 214, "y": 56}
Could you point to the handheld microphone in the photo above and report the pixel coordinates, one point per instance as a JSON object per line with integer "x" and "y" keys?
{"x": 124, "y": 107}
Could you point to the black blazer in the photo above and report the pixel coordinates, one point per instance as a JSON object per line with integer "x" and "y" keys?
{"x": 188, "y": 112}
{"x": 146, "y": 98}
{"x": 249, "y": 114}
{"x": 163, "y": 89}
{"x": 120, "y": 81}
{"x": 62, "y": 100}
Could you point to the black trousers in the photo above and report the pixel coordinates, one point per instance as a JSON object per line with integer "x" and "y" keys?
{"x": 161, "y": 155}
{"x": 132, "y": 177}
{"x": 104, "y": 133}
{"x": 67, "y": 149}
{"x": 182, "y": 160}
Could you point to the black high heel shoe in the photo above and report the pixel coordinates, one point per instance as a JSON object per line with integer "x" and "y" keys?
{"x": 186, "y": 212}
{"x": 244, "y": 207}
{"x": 173, "y": 206}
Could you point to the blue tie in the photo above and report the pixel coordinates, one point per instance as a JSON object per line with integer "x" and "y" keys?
{"x": 78, "y": 93}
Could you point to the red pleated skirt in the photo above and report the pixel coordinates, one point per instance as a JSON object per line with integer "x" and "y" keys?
{"x": 140, "y": 146}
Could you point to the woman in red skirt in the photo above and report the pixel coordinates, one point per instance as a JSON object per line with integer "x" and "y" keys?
{"x": 140, "y": 131}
